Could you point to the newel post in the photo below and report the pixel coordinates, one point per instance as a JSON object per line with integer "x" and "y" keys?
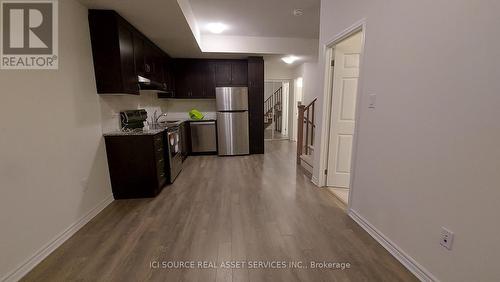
{"x": 300, "y": 131}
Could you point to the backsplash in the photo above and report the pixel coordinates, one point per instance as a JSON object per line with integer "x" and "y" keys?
{"x": 178, "y": 108}
{"x": 112, "y": 105}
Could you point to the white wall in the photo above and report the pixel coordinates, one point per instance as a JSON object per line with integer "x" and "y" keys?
{"x": 428, "y": 155}
{"x": 309, "y": 72}
{"x": 53, "y": 167}
{"x": 270, "y": 87}
{"x": 276, "y": 70}
{"x": 304, "y": 47}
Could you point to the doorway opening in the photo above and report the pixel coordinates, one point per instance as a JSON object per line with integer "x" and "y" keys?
{"x": 276, "y": 110}
{"x": 297, "y": 98}
{"x": 344, "y": 73}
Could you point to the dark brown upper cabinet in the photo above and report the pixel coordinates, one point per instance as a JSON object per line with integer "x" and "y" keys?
{"x": 194, "y": 79}
{"x": 113, "y": 53}
{"x": 231, "y": 73}
{"x": 168, "y": 74}
{"x": 121, "y": 53}
{"x": 209, "y": 80}
{"x": 239, "y": 73}
{"x": 140, "y": 65}
{"x": 223, "y": 73}
{"x": 154, "y": 62}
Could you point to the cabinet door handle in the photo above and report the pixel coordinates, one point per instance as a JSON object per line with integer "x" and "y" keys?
{"x": 147, "y": 67}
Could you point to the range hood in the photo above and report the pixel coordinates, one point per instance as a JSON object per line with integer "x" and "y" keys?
{"x": 148, "y": 84}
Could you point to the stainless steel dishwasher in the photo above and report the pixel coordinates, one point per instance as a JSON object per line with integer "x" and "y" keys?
{"x": 203, "y": 137}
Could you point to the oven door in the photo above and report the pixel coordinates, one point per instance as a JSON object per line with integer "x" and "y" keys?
{"x": 174, "y": 140}
{"x": 174, "y": 151}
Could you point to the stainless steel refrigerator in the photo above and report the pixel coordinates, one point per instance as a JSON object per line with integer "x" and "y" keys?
{"x": 232, "y": 121}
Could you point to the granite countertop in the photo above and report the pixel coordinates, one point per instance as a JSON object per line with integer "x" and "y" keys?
{"x": 135, "y": 132}
{"x": 174, "y": 122}
{"x": 201, "y": 120}
{"x": 179, "y": 121}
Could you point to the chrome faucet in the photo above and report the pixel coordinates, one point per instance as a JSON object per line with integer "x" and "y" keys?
{"x": 156, "y": 118}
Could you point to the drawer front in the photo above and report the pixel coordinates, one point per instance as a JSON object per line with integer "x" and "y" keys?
{"x": 161, "y": 174}
{"x": 158, "y": 140}
{"x": 158, "y": 146}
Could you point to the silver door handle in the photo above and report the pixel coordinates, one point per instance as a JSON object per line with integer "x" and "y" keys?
{"x": 203, "y": 122}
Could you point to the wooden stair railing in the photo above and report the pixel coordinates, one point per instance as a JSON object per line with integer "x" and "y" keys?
{"x": 272, "y": 110}
{"x": 305, "y": 119}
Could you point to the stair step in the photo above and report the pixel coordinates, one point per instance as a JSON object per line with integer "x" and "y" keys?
{"x": 307, "y": 159}
{"x": 306, "y": 162}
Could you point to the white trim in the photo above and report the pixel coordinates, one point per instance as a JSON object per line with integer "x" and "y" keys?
{"x": 291, "y": 85}
{"x": 42, "y": 253}
{"x": 327, "y": 92}
{"x": 406, "y": 260}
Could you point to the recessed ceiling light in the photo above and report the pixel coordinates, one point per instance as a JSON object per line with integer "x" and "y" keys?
{"x": 298, "y": 12}
{"x": 289, "y": 59}
{"x": 216, "y": 27}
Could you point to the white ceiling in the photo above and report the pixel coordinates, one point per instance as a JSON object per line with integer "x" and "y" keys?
{"x": 263, "y": 18}
{"x": 257, "y": 27}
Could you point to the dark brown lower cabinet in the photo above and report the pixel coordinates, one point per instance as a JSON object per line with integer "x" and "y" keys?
{"x": 136, "y": 165}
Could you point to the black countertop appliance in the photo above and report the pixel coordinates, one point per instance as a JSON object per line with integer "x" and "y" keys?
{"x": 133, "y": 119}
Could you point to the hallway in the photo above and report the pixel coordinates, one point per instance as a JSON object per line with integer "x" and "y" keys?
{"x": 276, "y": 135}
{"x": 251, "y": 208}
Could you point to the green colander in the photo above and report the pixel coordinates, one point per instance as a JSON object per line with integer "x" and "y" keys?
{"x": 196, "y": 115}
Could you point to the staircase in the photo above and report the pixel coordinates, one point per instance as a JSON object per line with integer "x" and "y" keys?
{"x": 273, "y": 110}
{"x": 305, "y": 135}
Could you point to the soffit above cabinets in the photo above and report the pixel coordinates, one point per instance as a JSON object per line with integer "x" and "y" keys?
{"x": 162, "y": 21}
{"x": 258, "y": 27}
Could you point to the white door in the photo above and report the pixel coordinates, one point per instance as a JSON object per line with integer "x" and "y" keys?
{"x": 345, "y": 88}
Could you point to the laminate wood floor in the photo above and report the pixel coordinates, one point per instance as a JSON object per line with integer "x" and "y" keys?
{"x": 258, "y": 208}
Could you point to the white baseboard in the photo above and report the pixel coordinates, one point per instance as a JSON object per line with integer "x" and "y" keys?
{"x": 42, "y": 253}
{"x": 407, "y": 261}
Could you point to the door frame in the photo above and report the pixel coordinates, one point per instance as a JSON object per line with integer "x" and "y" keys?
{"x": 295, "y": 110}
{"x": 291, "y": 90}
{"x": 359, "y": 26}
{"x": 285, "y": 122}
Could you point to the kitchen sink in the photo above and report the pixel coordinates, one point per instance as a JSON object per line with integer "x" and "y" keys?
{"x": 168, "y": 123}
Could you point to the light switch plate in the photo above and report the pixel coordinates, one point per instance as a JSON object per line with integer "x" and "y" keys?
{"x": 372, "y": 101}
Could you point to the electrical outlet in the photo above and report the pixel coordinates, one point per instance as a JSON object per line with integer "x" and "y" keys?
{"x": 446, "y": 238}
